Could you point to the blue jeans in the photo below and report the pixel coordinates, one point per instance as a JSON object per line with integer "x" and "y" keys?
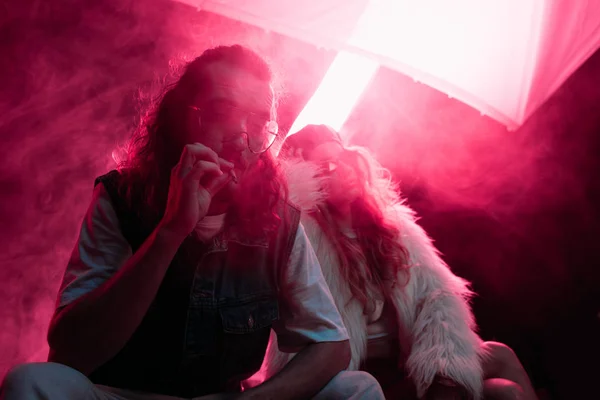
{"x": 37, "y": 381}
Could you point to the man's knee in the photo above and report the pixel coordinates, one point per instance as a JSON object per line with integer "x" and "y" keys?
{"x": 354, "y": 385}
{"x": 362, "y": 381}
{"x": 24, "y": 379}
{"x": 23, "y": 375}
{"x": 21, "y": 380}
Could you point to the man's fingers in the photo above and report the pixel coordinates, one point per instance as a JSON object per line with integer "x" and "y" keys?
{"x": 225, "y": 165}
{"x": 215, "y": 185}
{"x": 201, "y": 152}
{"x": 186, "y": 161}
{"x": 192, "y": 154}
{"x": 202, "y": 168}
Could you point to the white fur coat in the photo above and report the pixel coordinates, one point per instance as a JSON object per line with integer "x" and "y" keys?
{"x": 436, "y": 325}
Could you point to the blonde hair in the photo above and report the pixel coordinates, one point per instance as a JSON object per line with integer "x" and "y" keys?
{"x": 377, "y": 258}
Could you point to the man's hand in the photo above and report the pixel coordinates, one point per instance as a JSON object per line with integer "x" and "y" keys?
{"x": 306, "y": 374}
{"x": 196, "y": 178}
{"x": 81, "y": 333}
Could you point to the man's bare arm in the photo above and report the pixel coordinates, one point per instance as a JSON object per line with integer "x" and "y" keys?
{"x": 306, "y": 374}
{"x": 92, "y": 329}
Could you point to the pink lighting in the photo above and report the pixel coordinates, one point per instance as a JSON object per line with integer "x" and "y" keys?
{"x": 338, "y": 92}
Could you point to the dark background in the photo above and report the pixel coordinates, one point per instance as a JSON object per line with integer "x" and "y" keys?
{"x": 516, "y": 212}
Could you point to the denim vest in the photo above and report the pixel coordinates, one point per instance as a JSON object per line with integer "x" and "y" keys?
{"x": 209, "y": 324}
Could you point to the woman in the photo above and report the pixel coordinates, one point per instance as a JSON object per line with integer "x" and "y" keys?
{"x": 407, "y": 314}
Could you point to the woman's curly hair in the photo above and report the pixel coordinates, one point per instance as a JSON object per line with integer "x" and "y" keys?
{"x": 376, "y": 259}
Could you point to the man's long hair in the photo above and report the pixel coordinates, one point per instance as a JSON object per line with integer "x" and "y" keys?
{"x": 376, "y": 260}
{"x": 155, "y": 147}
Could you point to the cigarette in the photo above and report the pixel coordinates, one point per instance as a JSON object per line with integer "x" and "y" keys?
{"x": 233, "y": 175}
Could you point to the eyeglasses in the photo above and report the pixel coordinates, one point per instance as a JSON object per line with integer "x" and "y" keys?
{"x": 260, "y": 132}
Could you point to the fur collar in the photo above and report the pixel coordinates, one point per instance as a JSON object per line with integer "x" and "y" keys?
{"x": 436, "y": 325}
{"x": 304, "y": 184}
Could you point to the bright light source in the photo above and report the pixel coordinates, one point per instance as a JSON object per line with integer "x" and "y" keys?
{"x": 340, "y": 89}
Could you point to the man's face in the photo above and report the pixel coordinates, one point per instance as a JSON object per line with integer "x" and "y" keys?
{"x": 233, "y": 100}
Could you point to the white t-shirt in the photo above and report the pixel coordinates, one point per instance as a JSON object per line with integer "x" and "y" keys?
{"x": 102, "y": 249}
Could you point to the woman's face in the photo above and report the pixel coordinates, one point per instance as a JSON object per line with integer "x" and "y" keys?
{"x": 340, "y": 166}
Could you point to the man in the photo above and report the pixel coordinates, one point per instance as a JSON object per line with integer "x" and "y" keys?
{"x": 186, "y": 258}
